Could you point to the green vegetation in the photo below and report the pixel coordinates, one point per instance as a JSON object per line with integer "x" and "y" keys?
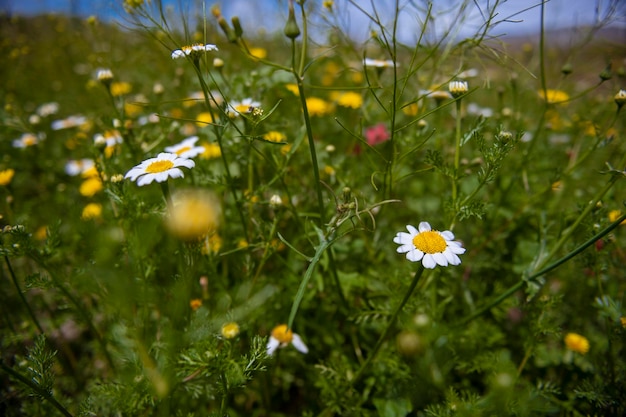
{"x": 275, "y": 258}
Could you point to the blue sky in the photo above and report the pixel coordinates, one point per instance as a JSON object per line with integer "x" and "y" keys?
{"x": 268, "y": 14}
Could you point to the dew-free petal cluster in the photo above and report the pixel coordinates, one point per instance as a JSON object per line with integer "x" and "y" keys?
{"x": 432, "y": 247}
{"x": 159, "y": 169}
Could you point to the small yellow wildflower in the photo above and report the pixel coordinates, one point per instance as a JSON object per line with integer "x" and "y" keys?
{"x": 317, "y": 106}
{"x": 195, "y": 304}
{"x": 622, "y": 320}
{"x": 91, "y": 211}
{"x": 41, "y": 233}
{"x": 230, "y": 330}
{"x": 557, "y": 186}
{"x": 260, "y": 53}
{"x": 411, "y": 110}
{"x": 293, "y": 88}
{"x": 275, "y": 136}
{"x": 350, "y": 99}
{"x": 554, "y": 96}
{"x": 6, "y": 176}
{"x": 614, "y": 215}
{"x": 203, "y": 119}
{"x": 193, "y": 214}
{"x": 90, "y": 187}
{"x": 577, "y": 343}
{"x": 211, "y": 151}
{"x": 212, "y": 244}
{"x": 120, "y": 88}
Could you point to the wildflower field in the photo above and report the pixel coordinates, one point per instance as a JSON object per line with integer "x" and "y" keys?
{"x": 199, "y": 218}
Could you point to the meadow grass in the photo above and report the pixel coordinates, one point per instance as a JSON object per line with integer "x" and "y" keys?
{"x": 199, "y": 219}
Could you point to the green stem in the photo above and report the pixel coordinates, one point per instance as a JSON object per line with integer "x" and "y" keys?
{"x": 21, "y": 294}
{"x": 457, "y": 160}
{"x": 165, "y": 188}
{"x": 43, "y": 393}
{"x": 512, "y": 290}
{"x": 387, "y": 331}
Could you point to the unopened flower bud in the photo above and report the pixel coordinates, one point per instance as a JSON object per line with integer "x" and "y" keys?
{"x": 606, "y": 75}
{"x": 409, "y": 343}
{"x": 458, "y": 88}
{"x": 237, "y": 26}
{"x": 276, "y": 201}
{"x": 228, "y": 31}
{"x": 230, "y": 330}
{"x": 567, "y": 69}
{"x": 292, "y": 31}
{"x": 218, "y": 63}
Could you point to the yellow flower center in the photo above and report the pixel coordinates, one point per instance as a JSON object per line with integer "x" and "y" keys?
{"x": 159, "y": 166}
{"x": 430, "y": 242}
{"x": 282, "y": 334}
{"x": 183, "y": 150}
{"x": 243, "y": 108}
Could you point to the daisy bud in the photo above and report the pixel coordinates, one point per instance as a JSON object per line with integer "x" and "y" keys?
{"x": 409, "y": 343}
{"x": 237, "y": 26}
{"x": 218, "y": 63}
{"x": 276, "y": 201}
{"x": 606, "y": 75}
{"x": 566, "y": 69}
{"x": 457, "y": 88}
{"x": 228, "y": 31}
{"x": 292, "y": 31}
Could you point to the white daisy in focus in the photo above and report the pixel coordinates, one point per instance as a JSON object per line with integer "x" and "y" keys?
{"x": 186, "y": 148}
{"x": 281, "y": 337}
{"x": 159, "y": 169}
{"x": 429, "y": 246}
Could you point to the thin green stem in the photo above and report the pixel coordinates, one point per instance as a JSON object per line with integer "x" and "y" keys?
{"x": 41, "y": 392}
{"x": 457, "y": 160}
{"x": 387, "y": 331}
{"x": 512, "y": 290}
{"x": 21, "y": 294}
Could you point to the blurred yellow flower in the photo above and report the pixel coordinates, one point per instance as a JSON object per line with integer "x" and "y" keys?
{"x": 91, "y": 211}
{"x": 411, "y": 109}
{"x": 275, "y": 136}
{"x": 193, "y": 214}
{"x": 230, "y": 330}
{"x": 622, "y": 320}
{"x": 204, "y": 118}
{"x": 120, "y": 88}
{"x": 6, "y": 176}
{"x": 577, "y": 343}
{"x": 554, "y": 96}
{"x": 211, "y": 151}
{"x": 133, "y": 109}
{"x": 90, "y": 187}
{"x": 195, "y": 304}
{"x": 614, "y": 215}
{"x": 212, "y": 244}
{"x": 350, "y": 99}
{"x": 293, "y": 88}
{"x": 41, "y": 233}
{"x": 260, "y": 53}
{"x": 317, "y": 106}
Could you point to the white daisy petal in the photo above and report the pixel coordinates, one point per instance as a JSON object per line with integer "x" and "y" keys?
{"x": 424, "y": 227}
{"x": 440, "y": 258}
{"x": 415, "y": 255}
{"x": 299, "y": 344}
{"x": 429, "y": 261}
{"x": 272, "y": 345}
{"x": 412, "y": 230}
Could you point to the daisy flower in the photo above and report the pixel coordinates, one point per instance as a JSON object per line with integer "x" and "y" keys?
{"x": 186, "y": 148}
{"x": 159, "y": 169}
{"x": 69, "y": 122}
{"x": 281, "y": 337}
{"x": 27, "y": 140}
{"x": 244, "y": 106}
{"x": 429, "y": 246}
{"x": 378, "y": 63}
{"x": 75, "y": 167}
{"x": 193, "y": 50}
